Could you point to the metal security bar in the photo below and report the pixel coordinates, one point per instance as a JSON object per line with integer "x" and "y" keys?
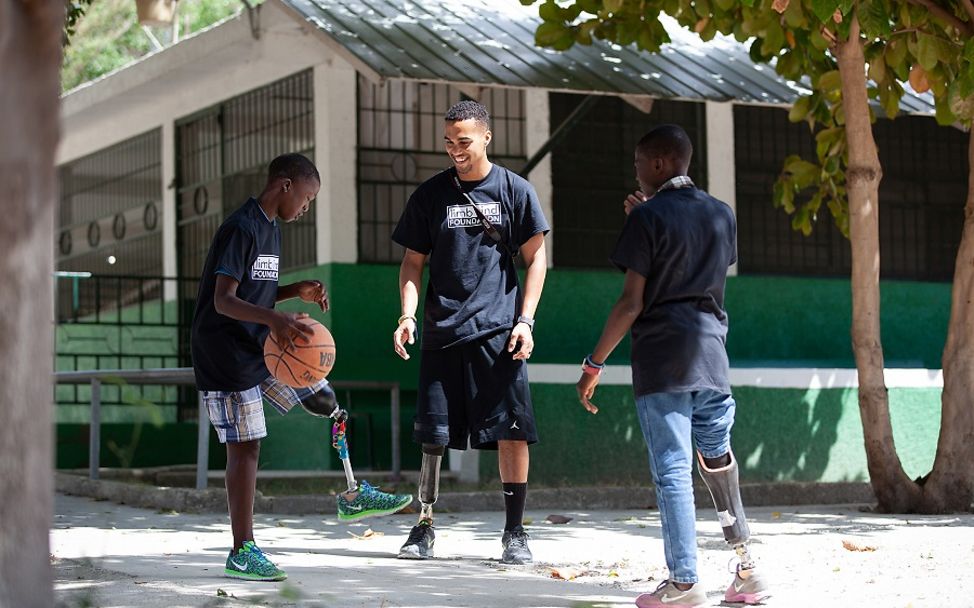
{"x": 921, "y": 199}
{"x": 109, "y": 216}
{"x": 592, "y": 170}
{"x": 400, "y": 145}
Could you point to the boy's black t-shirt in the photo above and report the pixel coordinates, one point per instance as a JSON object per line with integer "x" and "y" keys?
{"x": 682, "y": 240}
{"x": 473, "y": 286}
{"x": 228, "y": 355}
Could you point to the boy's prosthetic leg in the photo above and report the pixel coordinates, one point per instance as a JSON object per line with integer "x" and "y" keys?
{"x": 726, "y": 492}
{"x": 324, "y": 404}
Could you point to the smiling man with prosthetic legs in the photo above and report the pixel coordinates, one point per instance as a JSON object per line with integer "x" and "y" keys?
{"x": 468, "y": 223}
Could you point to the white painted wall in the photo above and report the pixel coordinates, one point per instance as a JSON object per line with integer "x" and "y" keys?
{"x": 720, "y": 155}
{"x": 537, "y": 125}
{"x": 336, "y": 137}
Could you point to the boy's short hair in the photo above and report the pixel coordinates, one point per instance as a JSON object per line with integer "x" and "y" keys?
{"x": 667, "y": 140}
{"x": 468, "y": 110}
{"x": 293, "y": 167}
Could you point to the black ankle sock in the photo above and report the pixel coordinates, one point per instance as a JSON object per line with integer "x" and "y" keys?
{"x": 514, "y": 496}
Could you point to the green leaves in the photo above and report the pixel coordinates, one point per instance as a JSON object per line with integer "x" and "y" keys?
{"x": 824, "y": 9}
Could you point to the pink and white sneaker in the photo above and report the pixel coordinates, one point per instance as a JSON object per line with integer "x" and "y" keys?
{"x": 750, "y": 590}
{"x": 667, "y": 595}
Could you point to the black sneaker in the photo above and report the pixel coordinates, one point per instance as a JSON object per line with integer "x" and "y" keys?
{"x": 419, "y": 545}
{"x": 516, "y": 549}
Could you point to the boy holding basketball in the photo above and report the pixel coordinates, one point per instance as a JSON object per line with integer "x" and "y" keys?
{"x": 469, "y": 222}
{"x": 675, "y": 249}
{"x": 234, "y": 314}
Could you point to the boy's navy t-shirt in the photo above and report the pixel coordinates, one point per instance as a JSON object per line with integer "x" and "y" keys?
{"x": 473, "y": 287}
{"x": 682, "y": 240}
{"x": 228, "y": 355}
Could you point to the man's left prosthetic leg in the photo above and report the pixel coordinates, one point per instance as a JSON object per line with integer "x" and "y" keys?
{"x": 725, "y": 489}
{"x": 359, "y": 500}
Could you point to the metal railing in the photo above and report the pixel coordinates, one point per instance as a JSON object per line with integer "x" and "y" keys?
{"x": 184, "y": 376}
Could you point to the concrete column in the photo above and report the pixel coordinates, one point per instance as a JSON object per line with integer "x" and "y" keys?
{"x": 537, "y": 126}
{"x": 336, "y": 137}
{"x": 170, "y": 263}
{"x": 720, "y": 155}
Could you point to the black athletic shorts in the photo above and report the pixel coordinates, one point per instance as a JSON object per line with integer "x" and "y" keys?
{"x": 474, "y": 390}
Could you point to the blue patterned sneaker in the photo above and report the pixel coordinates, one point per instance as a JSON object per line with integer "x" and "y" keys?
{"x": 250, "y": 563}
{"x": 370, "y": 501}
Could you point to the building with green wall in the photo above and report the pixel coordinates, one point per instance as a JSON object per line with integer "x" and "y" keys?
{"x": 157, "y": 154}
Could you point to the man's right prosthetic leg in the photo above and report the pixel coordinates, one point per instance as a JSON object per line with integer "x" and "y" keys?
{"x": 725, "y": 489}
{"x": 419, "y": 545}
{"x": 429, "y": 479}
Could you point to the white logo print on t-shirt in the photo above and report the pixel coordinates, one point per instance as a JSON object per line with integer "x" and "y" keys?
{"x": 265, "y": 268}
{"x": 463, "y": 216}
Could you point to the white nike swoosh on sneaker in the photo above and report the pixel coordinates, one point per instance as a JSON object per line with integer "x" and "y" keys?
{"x": 737, "y": 587}
{"x": 353, "y": 508}
{"x": 669, "y": 600}
{"x": 242, "y": 568}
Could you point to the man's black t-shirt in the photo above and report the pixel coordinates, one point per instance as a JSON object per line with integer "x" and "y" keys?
{"x": 228, "y": 355}
{"x": 473, "y": 288}
{"x": 682, "y": 240}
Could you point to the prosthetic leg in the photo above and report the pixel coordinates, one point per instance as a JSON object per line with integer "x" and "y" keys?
{"x": 419, "y": 545}
{"x": 726, "y": 493}
{"x": 324, "y": 404}
{"x": 429, "y": 479}
{"x": 359, "y": 500}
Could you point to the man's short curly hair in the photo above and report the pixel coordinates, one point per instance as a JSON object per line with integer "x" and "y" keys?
{"x": 468, "y": 110}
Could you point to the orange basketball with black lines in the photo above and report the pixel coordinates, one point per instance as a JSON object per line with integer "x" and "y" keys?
{"x": 305, "y": 363}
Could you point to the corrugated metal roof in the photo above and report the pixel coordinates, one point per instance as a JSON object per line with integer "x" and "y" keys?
{"x": 491, "y": 42}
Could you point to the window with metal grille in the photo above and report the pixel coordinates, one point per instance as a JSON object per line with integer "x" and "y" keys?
{"x": 400, "y": 145}
{"x": 921, "y": 199}
{"x": 109, "y": 216}
{"x": 222, "y": 155}
{"x": 592, "y": 170}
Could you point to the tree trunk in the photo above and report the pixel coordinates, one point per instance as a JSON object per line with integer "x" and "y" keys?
{"x": 30, "y": 55}
{"x": 894, "y": 490}
{"x": 950, "y": 486}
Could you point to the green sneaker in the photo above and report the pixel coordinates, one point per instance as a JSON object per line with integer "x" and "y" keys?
{"x": 370, "y": 501}
{"x": 250, "y": 563}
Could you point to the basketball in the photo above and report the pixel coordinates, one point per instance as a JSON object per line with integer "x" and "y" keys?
{"x": 306, "y": 362}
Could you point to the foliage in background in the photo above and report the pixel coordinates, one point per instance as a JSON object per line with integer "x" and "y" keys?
{"x": 927, "y": 43}
{"x": 106, "y": 34}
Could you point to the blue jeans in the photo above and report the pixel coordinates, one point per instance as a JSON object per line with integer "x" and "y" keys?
{"x": 669, "y": 421}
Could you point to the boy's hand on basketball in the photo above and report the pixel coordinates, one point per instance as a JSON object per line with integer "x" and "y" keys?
{"x": 405, "y": 333}
{"x": 286, "y": 327}
{"x": 521, "y": 334}
{"x": 634, "y": 200}
{"x": 586, "y": 390}
{"x": 314, "y": 292}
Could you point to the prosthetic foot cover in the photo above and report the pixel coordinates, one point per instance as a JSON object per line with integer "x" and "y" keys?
{"x": 726, "y": 492}
{"x": 429, "y": 478}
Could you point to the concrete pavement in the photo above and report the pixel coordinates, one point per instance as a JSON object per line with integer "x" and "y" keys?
{"x": 108, "y": 555}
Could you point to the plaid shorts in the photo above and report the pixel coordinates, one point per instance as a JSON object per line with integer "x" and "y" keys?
{"x": 238, "y": 416}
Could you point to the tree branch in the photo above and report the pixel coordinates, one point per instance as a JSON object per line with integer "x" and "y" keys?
{"x": 951, "y": 19}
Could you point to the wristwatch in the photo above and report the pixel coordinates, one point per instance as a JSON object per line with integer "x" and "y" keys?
{"x": 526, "y": 320}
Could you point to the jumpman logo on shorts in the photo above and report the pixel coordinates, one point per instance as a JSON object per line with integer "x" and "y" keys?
{"x": 514, "y": 426}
